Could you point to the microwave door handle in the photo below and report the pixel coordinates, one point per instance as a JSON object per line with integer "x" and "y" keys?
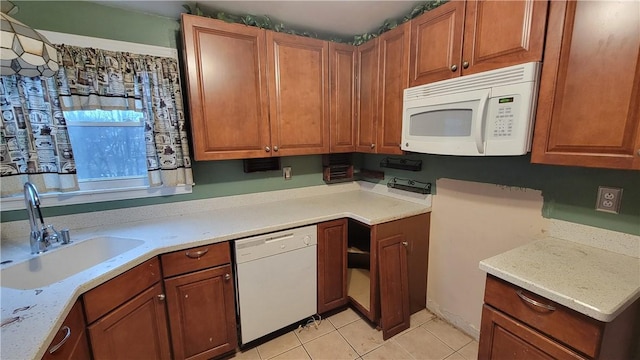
{"x": 479, "y": 123}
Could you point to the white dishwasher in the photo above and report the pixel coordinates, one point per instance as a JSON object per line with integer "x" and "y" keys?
{"x": 276, "y": 280}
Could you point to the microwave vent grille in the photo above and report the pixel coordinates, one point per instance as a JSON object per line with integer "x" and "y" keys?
{"x": 510, "y": 75}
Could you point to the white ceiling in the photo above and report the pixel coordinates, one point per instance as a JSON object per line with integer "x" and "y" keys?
{"x": 344, "y": 18}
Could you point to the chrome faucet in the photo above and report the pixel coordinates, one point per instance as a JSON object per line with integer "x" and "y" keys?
{"x": 41, "y": 235}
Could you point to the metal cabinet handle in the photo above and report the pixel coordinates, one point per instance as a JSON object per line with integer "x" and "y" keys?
{"x": 533, "y": 302}
{"x": 66, "y": 337}
{"x": 227, "y": 277}
{"x": 405, "y": 243}
{"x": 161, "y": 297}
{"x": 454, "y": 67}
{"x": 267, "y": 149}
{"x": 373, "y": 146}
{"x": 275, "y": 148}
{"x": 198, "y": 254}
{"x": 465, "y": 65}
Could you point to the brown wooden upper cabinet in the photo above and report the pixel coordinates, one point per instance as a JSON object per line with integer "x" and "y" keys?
{"x": 462, "y": 38}
{"x": 589, "y": 103}
{"x": 298, "y": 94}
{"x": 254, "y": 93}
{"x": 226, "y": 67}
{"x": 343, "y": 91}
{"x": 382, "y": 77}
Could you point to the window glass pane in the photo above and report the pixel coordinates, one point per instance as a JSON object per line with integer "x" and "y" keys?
{"x": 105, "y": 151}
{"x": 103, "y": 116}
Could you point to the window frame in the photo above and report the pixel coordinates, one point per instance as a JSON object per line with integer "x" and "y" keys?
{"x": 100, "y": 195}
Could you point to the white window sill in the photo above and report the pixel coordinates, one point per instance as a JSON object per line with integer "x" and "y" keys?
{"x": 92, "y": 196}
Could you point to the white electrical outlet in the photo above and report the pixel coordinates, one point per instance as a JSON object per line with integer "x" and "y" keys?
{"x": 286, "y": 172}
{"x": 609, "y": 199}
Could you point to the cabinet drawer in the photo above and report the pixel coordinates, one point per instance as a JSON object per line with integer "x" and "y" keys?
{"x": 184, "y": 261}
{"x": 108, "y": 296}
{"x": 71, "y": 340}
{"x": 565, "y": 325}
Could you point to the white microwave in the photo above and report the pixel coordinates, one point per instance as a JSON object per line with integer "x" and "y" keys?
{"x": 489, "y": 113}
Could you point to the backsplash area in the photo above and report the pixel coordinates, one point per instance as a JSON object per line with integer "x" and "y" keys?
{"x": 19, "y": 229}
{"x": 621, "y": 243}
{"x": 569, "y": 193}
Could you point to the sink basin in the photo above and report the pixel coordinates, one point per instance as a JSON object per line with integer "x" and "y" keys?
{"x": 58, "y": 264}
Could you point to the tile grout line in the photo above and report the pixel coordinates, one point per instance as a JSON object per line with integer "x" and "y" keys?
{"x": 347, "y": 341}
{"x": 402, "y": 347}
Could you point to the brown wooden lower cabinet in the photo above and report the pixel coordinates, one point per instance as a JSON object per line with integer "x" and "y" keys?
{"x": 517, "y": 324}
{"x": 504, "y": 337}
{"x": 394, "y": 285}
{"x": 127, "y": 315}
{"x": 332, "y": 265}
{"x": 386, "y": 269}
{"x": 202, "y": 313}
{"x": 71, "y": 340}
{"x": 380, "y": 269}
{"x": 135, "y": 330}
{"x": 201, "y": 301}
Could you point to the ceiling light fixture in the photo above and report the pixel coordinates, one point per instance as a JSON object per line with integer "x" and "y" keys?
{"x": 24, "y": 51}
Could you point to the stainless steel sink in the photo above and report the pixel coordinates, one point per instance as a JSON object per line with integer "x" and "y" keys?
{"x": 56, "y": 265}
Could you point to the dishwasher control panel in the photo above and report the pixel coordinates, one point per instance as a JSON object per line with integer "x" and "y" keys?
{"x": 260, "y": 246}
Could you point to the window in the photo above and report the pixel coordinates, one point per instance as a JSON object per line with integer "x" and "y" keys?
{"x": 109, "y": 148}
{"x": 100, "y": 139}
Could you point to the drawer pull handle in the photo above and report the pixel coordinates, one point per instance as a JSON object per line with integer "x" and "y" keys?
{"x": 57, "y": 346}
{"x": 533, "y": 302}
{"x": 198, "y": 254}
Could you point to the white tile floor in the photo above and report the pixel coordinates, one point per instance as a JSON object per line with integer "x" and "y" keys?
{"x": 347, "y": 336}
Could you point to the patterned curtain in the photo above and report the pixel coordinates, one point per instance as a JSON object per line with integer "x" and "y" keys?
{"x": 99, "y": 79}
{"x": 34, "y": 143}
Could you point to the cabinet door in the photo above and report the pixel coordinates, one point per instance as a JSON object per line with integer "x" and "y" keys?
{"x": 71, "y": 340}
{"x": 415, "y": 230}
{"x": 394, "y": 285}
{"x": 202, "y": 313}
{"x": 393, "y": 79}
{"x": 416, "y": 233}
{"x": 342, "y": 105}
{"x": 299, "y": 94}
{"x": 502, "y": 33}
{"x": 368, "y": 62}
{"x": 332, "y": 265}
{"x": 135, "y": 330}
{"x": 589, "y": 105}
{"x": 436, "y": 44}
{"x": 227, "y": 86}
{"x": 503, "y": 337}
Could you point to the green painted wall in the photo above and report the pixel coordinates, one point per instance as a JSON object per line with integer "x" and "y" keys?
{"x": 91, "y": 19}
{"x": 569, "y": 192}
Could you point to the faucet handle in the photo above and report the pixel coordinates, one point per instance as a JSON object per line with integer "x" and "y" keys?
{"x": 44, "y": 240}
{"x": 50, "y": 234}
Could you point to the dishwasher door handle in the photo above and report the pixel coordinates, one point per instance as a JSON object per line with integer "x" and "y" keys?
{"x": 279, "y": 238}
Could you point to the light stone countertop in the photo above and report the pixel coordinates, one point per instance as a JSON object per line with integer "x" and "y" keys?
{"x": 42, "y": 311}
{"x": 593, "y": 281}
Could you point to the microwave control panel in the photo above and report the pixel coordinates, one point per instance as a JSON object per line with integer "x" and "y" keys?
{"x": 504, "y": 116}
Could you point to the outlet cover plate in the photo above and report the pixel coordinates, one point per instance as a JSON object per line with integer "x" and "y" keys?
{"x": 609, "y": 199}
{"x": 286, "y": 172}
